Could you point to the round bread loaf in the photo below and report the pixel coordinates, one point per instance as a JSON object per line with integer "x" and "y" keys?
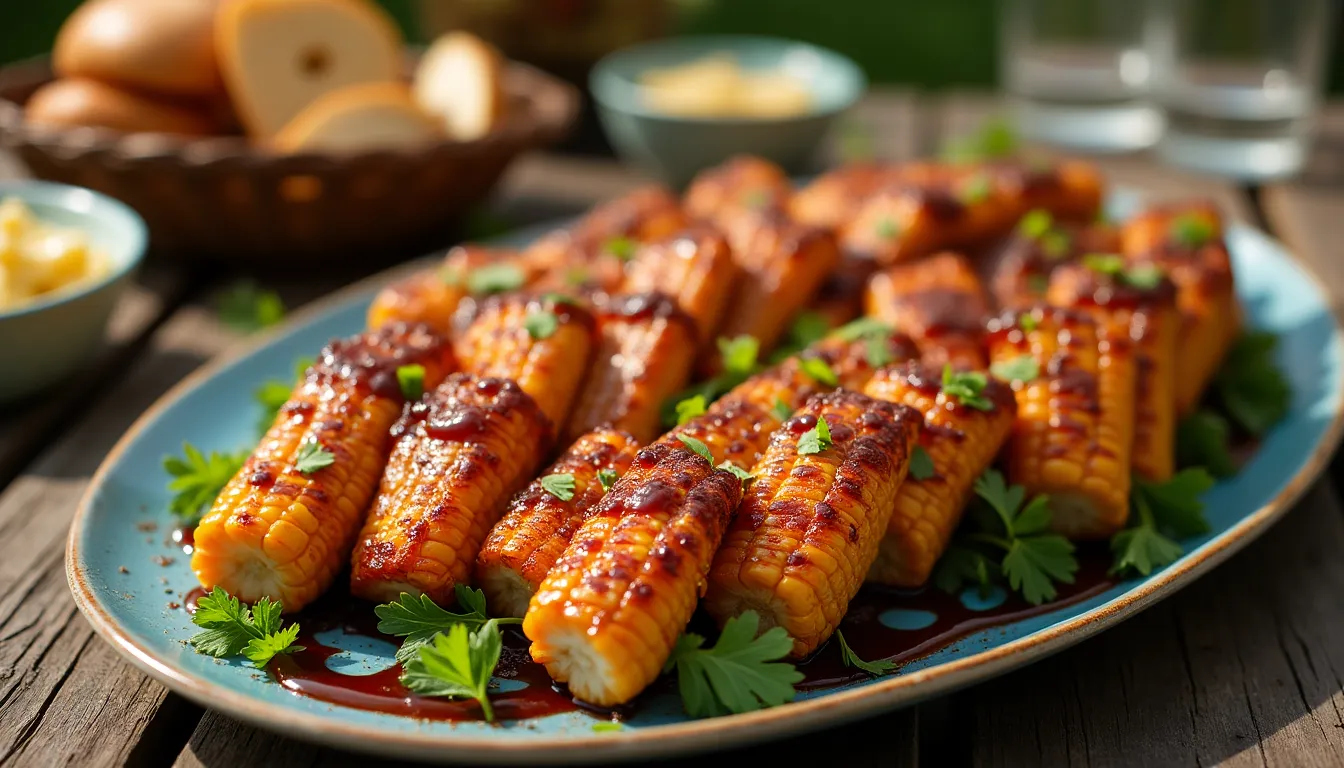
{"x": 80, "y": 101}
{"x": 153, "y": 46}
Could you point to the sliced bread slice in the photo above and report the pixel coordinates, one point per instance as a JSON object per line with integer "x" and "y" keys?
{"x": 357, "y": 118}
{"x": 460, "y": 80}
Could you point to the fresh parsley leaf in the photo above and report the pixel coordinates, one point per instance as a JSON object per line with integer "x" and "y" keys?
{"x": 1145, "y": 277}
{"x": 1191, "y": 230}
{"x": 1250, "y": 387}
{"x": 1141, "y": 549}
{"x": 968, "y": 387}
{"x": 1027, "y": 322}
{"x": 246, "y": 307}
{"x": 411, "y": 379}
{"x": 976, "y": 189}
{"x": 994, "y": 138}
{"x": 1034, "y": 563}
{"x": 921, "y": 464}
{"x": 608, "y": 478}
{"x": 696, "y": 447}
{"x": 781, "y": 410}
{"x": 850, "y": 659}
{"x": 887, "y": 228}
{"x": 739, "y": 354}
{"x": 877, "y": 352}
{"x": 961, "y": 565}
{"x": 418, "y": 619}
{"x": 819, "y": 371}
{"x": 230, "y": 628}
{"x": 816, "y": 439}
{"x": 1111, "y": 264}
{"x": 1023, "y": 368}
{"x": 862, "y": 328}
{"x": 457, "y": 665}
{"x": 738, "y": 472}
{"x": 312, "y": 457}
{"x": 1176, "y": 504}
{"x": 622, "y": 248}
{"x": 197, "y": 479}
{"x": 541, "y": 324}
{"x": 690, "y": 408}
{"x": 1156, "y": 510}
{"x": 559, "y": 485}
{"x": 1204, "y": 439}
{"x": 807, "y": 328}
{"x": 1004, "y": 499}
{"x": 1035, "y": 223}
{"x": 495, "y": 278}
{"x": 739, "y": 674}
{"x": 555, "y": 299}
{"x": 274, "y": 393}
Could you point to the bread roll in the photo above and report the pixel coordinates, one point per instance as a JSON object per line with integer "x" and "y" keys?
{"x": 279, "y": 56}
{"x": 360, "y": 117}
{"x": 460, "y": 81}
{"x": 154, "y": 46}
{"x": 79, "y": 101}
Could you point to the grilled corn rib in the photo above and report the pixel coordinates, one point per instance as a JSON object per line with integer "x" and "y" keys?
{"x": 809, "y": 526}
{"x": 280, "y": 532}
{"x": 1186, "y": 241}
{"x": 961, "y": 442}
{"x": 840, "y": 297}
{"x": 459, "y": 455}
{"x": 432, "y": 296}
{"x": 833, "y": 197}
{"x": 543, "y": 344}
{"x": 538, "y": 524}
{"x": 1075, "y": 421}
{"x": 643, "y": 215}
{"x": 743, "y": 184}
{"x": 939, "y": 302}
{"x": 605, "y": 618}
{"x": 694, "y": 267}
{"x": 1148, "y": 315}
{"x": 1022, "y": 268}
{"x": 645, "y": 349}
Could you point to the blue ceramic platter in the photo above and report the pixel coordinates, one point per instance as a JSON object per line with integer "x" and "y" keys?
{"x": 214, "y": 410}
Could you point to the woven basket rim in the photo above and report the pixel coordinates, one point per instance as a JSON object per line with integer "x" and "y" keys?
{"x": 544, "y": 109}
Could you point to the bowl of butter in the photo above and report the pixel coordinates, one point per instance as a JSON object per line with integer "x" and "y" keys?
{"x": 66, "y": 256}
{"x": 679, "y": 105}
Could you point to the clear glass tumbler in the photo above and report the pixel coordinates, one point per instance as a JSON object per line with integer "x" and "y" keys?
{"x": 1077, "y": 73}
{"x": 1239, "y": 82}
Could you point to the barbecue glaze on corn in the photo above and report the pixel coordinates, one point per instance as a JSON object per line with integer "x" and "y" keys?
{"x": 961, "y": 443}
{"x": 694, "y": 267}
{"x": 809, "y": 526}
{"x": 742, "y": 185}
{"x": 606, "y": 617}
{"x": 460, "y": 454}
{"x": 538, "y": 524}
{"x": 432, "y": 296}
{"x": 939, "y": 302}
{"x": 1148, "y": 315}
{"x": 280, "y": 533}
{"x": 1022, "y": 267}
{"x": 1075, "y": 421}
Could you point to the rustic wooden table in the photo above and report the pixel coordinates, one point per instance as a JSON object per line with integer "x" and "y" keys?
{"x": 1244, "y": 667}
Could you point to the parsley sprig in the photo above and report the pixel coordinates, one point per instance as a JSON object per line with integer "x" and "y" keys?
{"x": 457, "y": 664}
{"x": 740, "y": 673}
{"x": 559, "y": 485}
{"x": 1160, "y": 513}
{"x": 968, "y": 387}
{"x": 1250, "y": 387}
{"x": 739, "y": 360}
{"x": 229, "y": 628}
{"x": 851, "y": 659}
{"x": 816, "y": 439}
{"x": 995, "y": 138}
{"x": 246, "y": 307}
{"x": 807, "y": 328}
{"x": 418, "y": 619}
{"x": 274, "y": 393}
{"x": 197, "y": 478}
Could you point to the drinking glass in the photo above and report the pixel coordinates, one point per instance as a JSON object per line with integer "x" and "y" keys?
{"x": 1239, "y": 82}
{"x": 1077, "y": 73}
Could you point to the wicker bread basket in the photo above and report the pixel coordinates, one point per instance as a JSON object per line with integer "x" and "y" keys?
{"x": 221, "y": 199}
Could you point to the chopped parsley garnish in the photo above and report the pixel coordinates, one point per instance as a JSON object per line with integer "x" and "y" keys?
{"x": 807, "y": 328}
{"x": 1157, "y": 511}
{"x": 246, "y": 307}
{"x": 1250, "y": 387}
{"x": 229, "y": 628}
{"x": 994, "y": 139}
{"x": 739, "y": 354}
{"x": 541, "y": 324}
{"x": 738, "y": 472}
{"x": 622, "y": 248}
{"x": 419, "y": 619}
{"x": 862, "y": 328}
{"x": 1145, "y": 277}
{"x": 741, "y": 673}
{"x": 456, "y": 665}
{"x": 1023, "y": 368}
{"x": 887, "y": 228}
{"x": 1111, "y": 264}
{"x": 696, "y": 447}
{"x": 1027, "y": 322}
{"x": 738, "y": 358}
{"x": 559, "y": 485}
{"x": 495, "y": 278}
{"x": 976, "y": 189}
{"x": 608, "y": 478}
{"x": 816, "y": 439}
{"x": 274, "y": 393}
{"x": 1035, "y": 223}
{"x": 968, "y": 387}
{"x": 1191, "y": 230}
{"x": 877, "y": 352}
{"x": 312, "y": 457}
{"x": 921, "y": 464}
{"x": 851, "y": 659}
{"x": 781, "y": 410}
{"x": 1203, "y": 440}
{"x": 411, "y": 379}
{"x": 690, "y": 408}
{"x": 819, "y": 371}
{"x": 197, "y": 478}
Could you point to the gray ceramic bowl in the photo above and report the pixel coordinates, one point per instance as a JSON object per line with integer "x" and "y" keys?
{"x": 676, "y": 147}
{"x": 44, "y": 341}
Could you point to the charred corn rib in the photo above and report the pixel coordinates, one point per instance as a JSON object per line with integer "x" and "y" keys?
{"x": 605, "y": 618}
{"x": 809, "y": 526}
{"x": 543, "y": 344}
{"x": 834, "y": 197}
{"x": 783, "y": 264}
{"x": 694, "y": 267}
{"x": 741, "y": 185}
{"x": 645, "y": 349}
{"x": 1022, "y": 268}
{"x": 1071, "y": 190}
{"x": 939, "y": 302}
{"x": 1147, "y": 315}
{"x": 961, "y": 442}
{"x": 432, "y": 296}
{"x": 282, "y": 533}
{"x": 538, "y": 525}
{"x": 644, "y": 215}
{"x": 459, "y": 455}
{"x": 1187, "y": 242}
{"x": 840, "y": 297}
{"x": 1075, "y": 421}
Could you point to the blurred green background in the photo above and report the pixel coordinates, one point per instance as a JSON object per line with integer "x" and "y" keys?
{"x": 927, "y": 43}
